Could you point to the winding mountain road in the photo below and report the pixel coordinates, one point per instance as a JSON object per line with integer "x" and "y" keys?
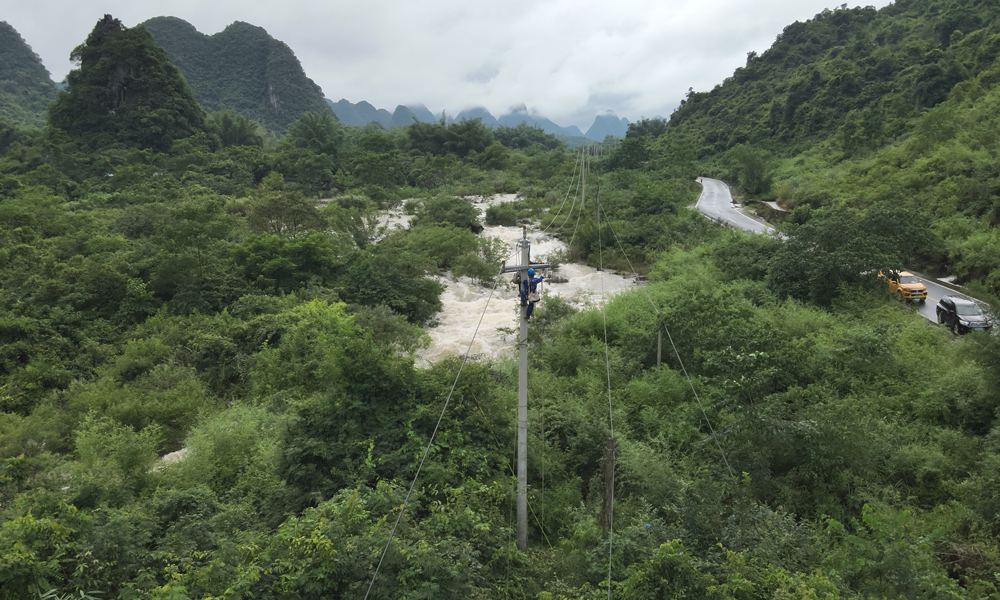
{"x": 716, "y": 203}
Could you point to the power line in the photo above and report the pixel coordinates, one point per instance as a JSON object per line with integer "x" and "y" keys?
{"x": 663, "y": 324}
{"x": 431, "y": 441}
{"x": 568, "y": 190}
{"x": 579, "y": 184}
{"x": 575, "y": 227}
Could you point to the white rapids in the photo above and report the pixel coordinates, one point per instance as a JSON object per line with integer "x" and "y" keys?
{"x": 464, "y": 302}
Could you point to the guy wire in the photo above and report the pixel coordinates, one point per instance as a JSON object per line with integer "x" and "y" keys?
{"x": 431, "y": 441}
{"x": 663, "y": 324}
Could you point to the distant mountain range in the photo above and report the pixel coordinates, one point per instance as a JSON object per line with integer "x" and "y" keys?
{"x": 26, "y": 89}
{"x": 241, "y": 68}
{"x": 362, "y": 113}
{"x": 244, "y": 69}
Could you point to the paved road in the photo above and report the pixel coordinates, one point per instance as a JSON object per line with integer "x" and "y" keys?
{"x": 934, "y": 292}
{"x": 716, "y": 203}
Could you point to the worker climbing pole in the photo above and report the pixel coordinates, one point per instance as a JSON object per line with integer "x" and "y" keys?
{"x": 528, "y": 295}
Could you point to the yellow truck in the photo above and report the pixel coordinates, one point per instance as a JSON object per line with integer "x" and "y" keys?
{"x": 906, "y": 286}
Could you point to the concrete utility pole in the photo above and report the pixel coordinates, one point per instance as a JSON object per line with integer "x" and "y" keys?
{"x": 522, "y": 392}
{"x": 583, "y": 179}
{"x": 522, "y": 409}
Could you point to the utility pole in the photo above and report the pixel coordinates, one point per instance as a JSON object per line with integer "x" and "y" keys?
{"x": 522, "y": 409}
{"x": 522, "y": 392}
{"x": 659, "y": 338}
{"x": 597, "y": 215}
{"x": 583, "y": 179}
{"x": 659, "y": 346}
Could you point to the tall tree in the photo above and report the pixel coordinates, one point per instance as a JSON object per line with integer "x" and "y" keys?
{"x": 235, "y": 129}
{"x": 319, "y": 132}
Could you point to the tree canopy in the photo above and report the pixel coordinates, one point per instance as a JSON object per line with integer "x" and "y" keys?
{"x": 125, "y": 93}
{"x": 242, "y": 69}
{"x": 26, "y": 89}
{"x": 211, "y": 383}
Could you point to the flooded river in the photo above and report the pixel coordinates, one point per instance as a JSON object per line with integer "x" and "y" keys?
{"x": 463, "y": 301}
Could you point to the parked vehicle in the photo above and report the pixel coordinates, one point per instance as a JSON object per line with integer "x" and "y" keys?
{"x": 906, "y": 286}
{"x": 962, "y": 315}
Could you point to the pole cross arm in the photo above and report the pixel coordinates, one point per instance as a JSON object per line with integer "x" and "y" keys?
{"x": 517, "y": 268}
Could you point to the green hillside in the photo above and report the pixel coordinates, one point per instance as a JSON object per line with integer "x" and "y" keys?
{"x": 125, "y": 93}
{"x": 867, "y": 71}
{"x": 25, "y": 87}
{"x": 859, "y": 107}
{"x": 241, "y": 68}
{"x": 209, "y": 384}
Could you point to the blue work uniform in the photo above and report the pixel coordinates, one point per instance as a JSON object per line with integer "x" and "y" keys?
{"x": 530, "y": 285}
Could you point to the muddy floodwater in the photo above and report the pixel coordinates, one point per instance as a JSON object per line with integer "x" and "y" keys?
{"x": 464, "y": 302}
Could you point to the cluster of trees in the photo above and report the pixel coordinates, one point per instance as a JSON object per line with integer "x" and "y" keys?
{"x": 125, "y": 93}
{"x": 861, "y": 108}
{"x": 861, "y": 441}
{"x": 943, "y": 173}
{"x": 859, "y": 73}
{"x": 189, "y": 293}
{"x": 168, "y": 276}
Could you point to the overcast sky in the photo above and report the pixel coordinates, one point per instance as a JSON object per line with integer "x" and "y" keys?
{"x": 566, "y": 60}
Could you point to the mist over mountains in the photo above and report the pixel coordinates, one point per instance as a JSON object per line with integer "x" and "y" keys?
{"x": 363, "y": 112}
{"x": 244, "y": 69}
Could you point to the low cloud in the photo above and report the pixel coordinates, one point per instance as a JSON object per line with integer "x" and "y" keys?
{"x": 566, "y": 60}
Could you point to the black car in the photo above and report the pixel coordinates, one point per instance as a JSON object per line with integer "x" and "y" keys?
{"x": 962, "y": 315}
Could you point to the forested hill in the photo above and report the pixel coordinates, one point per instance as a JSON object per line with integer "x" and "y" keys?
{"x": 125, "y": 93}
{"x": 171, "y": 287}
{"x": 241, "y": 68}
{"x": 861, "y": 72}
{"x": 860, "y": 108}
{"x": 25, "y": 86}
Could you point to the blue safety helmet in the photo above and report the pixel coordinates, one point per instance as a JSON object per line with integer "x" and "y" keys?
{"x": 531, "y": 271}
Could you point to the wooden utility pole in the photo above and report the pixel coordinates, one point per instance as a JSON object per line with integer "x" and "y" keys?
{"x": 522, "y": 392}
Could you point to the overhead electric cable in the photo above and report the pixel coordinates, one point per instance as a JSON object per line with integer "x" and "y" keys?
{"x": 568, "y": 190}
{"x": 431, "y": 441}
{"x": 569, "y": 213}
{"x": 575, "y": 227}
{"x": 663, "y": 324}
{"x": 579, "y": 186}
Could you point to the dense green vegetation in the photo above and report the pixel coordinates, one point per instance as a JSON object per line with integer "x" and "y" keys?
{"x": 241, "y": 68}
{"x": 25, "y": 87}
{"x": 858, "y": 108}
{"x": 194, "y": 290}
{"x": 125, "y": 93}
{"x": 860, "y": 72}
